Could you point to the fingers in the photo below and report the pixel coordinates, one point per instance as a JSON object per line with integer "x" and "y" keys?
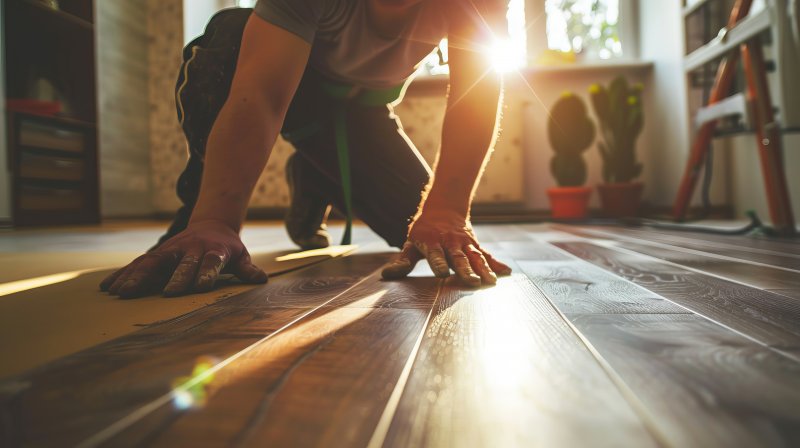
{"x": 436, "y": 258}
{"x": 108, "y": 281}
{"x": 184, "y": 275}
{"x": 247, "y": 272}
{"x": 146, "y": 276}
{"x": 403, "y": 264}
{"x": 461, "y": 265}
{"x": 480, "y": 265}
{"x": 498, "y": 267}
{"x": 213, "y": 263}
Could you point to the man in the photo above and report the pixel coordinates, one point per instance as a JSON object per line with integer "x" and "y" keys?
{"x": 323, "y": 74}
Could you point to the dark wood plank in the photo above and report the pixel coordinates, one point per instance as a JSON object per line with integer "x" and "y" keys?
{"x": 68, "y": 400}
{"x": 793, "y": 293}
{"x": 500, "y": 367}
{"x": 760, "y": 276}
{"x": 770, "y": 318}
{"x": 738, "y": 248}
{"x": 705, "y": 385}
{"x": 324, "y": 381}
{"x": 64, "y": 317}
{"x": 578, "y": 287}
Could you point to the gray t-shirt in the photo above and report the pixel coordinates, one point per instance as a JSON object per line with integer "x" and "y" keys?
{"x": 345, "y": 47}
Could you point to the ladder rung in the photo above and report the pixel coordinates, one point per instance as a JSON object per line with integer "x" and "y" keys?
{"x": 749, "y": 27}
{"x": 733, "y": 105}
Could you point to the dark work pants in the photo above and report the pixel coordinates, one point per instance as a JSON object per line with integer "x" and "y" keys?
{"x": 387, "y": 173}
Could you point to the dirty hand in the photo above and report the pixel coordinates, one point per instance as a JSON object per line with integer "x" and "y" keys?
{"x": 191, "y": 261}
{"x": 446, "y": 241}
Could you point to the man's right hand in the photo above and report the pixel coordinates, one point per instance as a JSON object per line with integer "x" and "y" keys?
{"x": 191, "y": 261}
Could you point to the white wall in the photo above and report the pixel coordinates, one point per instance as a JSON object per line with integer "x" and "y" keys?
{"x": 5, "y": 181}
{"x": 662, "y": 42}
{"x": 196, "y": 14}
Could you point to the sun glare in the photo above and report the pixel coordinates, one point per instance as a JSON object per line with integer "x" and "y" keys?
{"x": 505, "y": 56}
{"x": 509, "y": 54}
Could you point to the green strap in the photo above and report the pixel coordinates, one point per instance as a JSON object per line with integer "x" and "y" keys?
{"x": 343, "y": 93}
{"x": 340, "y": 129}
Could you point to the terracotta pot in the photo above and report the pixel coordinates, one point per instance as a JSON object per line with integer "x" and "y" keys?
{"x": 621, "y": 200}
{"x": 569, "y": 202}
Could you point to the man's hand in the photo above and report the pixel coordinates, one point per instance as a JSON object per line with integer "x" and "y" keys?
{"x": 447, "y": 241}
{"x": 191, "y": 261}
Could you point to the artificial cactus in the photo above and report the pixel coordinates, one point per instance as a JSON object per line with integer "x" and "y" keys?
{"x": 571, "y": 133}
{"x": 621, "y": 118}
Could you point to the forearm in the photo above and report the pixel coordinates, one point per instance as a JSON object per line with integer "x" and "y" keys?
{"x": 237, "y": 150}
{"x": 468, "y": 134}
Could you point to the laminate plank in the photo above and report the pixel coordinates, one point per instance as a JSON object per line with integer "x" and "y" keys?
{"x": 705, "y": 385}
{"x": 772, "y": 244}
{"x": 527, "y": 250}
{"x": 324, "y": 381}
{"x": 793, "y": 293}
{"x": 763, "y": 277}
{"x": 494, "y": 233}
{"x": 109, "y": 381}
{"x": 500, "y": 367}
{"x": 769, "y": 318}
{"x": 578, "y": 287}
{"x": 742, "y": 247}
{"x": 67, "y": 316}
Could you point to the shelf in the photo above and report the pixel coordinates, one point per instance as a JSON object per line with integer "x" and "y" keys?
{"x": 748, "y": 28}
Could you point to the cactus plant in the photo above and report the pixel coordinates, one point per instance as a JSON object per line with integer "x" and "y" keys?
{"x": 620, "y": 116}
{"x": 571, "y": 133}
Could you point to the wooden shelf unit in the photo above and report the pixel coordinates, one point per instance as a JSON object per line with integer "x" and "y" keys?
{"x": 50, "y": 55}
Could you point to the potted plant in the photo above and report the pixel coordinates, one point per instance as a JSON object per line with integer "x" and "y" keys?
{"x": 620, "y": 117}
{"x": 571, "y": 133}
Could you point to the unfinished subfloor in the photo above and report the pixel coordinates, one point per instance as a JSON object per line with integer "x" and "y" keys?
{"x": 602, "y": 336}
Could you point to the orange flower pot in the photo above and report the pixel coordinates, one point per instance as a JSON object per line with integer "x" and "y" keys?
{"x": 621, "y": 200}
{"x": 569, "y": 202}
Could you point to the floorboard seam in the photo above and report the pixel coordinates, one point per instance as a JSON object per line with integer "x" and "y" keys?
{"x": 648, "y": 420}
{"x": 795, "y": 358}
{"x": 385, "y": 421}
{"x": 689, "y": 251}
{"x": 125, "y": 422}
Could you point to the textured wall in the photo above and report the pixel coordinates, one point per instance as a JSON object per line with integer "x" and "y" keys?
{"x": 422, "y": 118}
{"x": 167, "y": 146}
{"x": 124, "y": 142}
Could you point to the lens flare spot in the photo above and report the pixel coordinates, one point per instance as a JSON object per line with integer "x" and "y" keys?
{"x": 506, "y": 56}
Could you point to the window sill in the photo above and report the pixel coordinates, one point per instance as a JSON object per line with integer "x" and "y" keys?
{"x": 615, "y": 66}
{"x": 433, "y": 85}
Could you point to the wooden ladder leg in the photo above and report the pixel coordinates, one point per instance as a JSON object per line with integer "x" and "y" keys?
{"x": 768, "y": 139}
{"x": 702, "y": 141}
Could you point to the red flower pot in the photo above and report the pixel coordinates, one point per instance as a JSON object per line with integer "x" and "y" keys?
{"x": 569, "y": 202}
{"x": 621, "y": 200}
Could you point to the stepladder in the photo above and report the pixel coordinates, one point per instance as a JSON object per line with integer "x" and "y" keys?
{"x": 765, "y": 127}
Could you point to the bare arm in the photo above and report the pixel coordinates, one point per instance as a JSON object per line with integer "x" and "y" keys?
{"x": 270, "y": 65}
{"x": 441, "y": 231}
{"x": 468, "y": 132}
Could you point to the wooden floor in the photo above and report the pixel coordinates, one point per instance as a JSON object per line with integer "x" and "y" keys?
{"x": 603, "y": 336}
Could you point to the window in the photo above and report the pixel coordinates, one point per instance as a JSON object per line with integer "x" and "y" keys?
{"x": 587, "y": 28}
